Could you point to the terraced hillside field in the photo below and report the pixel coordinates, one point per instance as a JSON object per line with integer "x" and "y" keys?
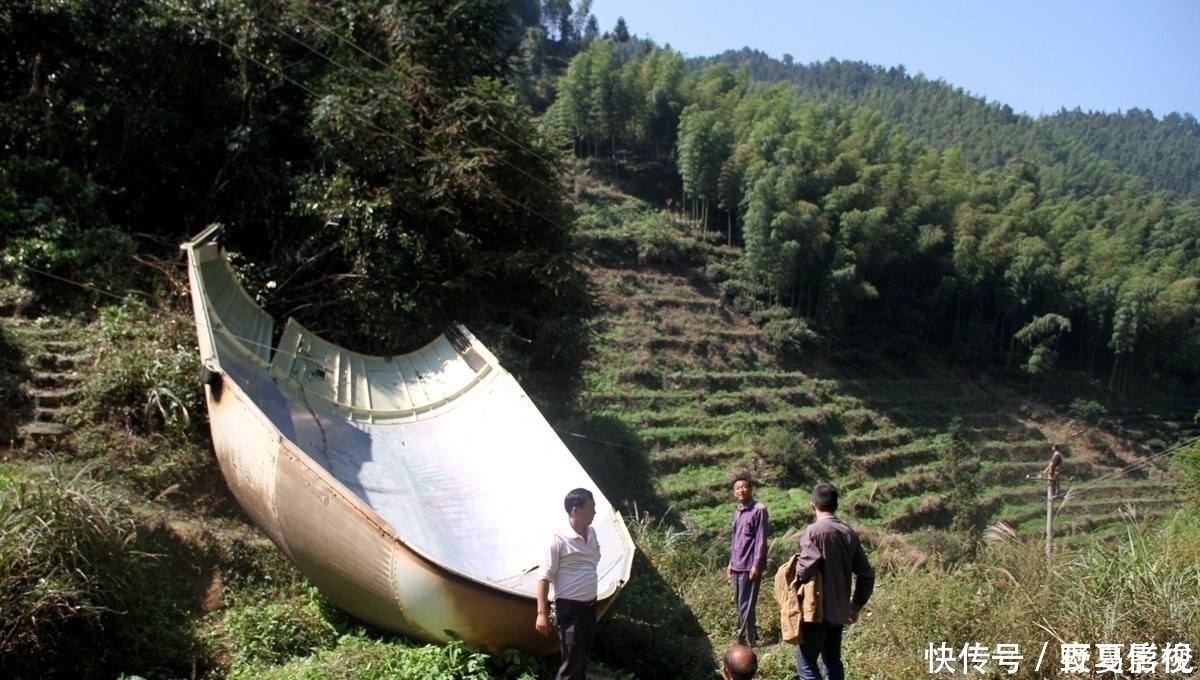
{"x": 703, "y": 395}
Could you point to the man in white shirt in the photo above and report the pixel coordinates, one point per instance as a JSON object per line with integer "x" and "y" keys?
{"x": 569, "y": 569}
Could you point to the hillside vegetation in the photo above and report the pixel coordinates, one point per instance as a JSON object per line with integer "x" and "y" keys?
{"x": 844, "y": 273}
{"x": 1160, "y": 150}
{"x": 681, "y": 393}
{"x": 919, "y": 447}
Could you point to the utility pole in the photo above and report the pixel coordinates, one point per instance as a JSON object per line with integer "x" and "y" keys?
{"x": 1049, "y": 517}
{"x": 1050, "y": 484}
{"x": 1051, "y": 473}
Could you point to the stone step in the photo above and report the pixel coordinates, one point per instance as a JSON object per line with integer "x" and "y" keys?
{"x": 41, "y": 431}
{"x": 60, "y": 362}
{"x": 55, "y": 379}
{"x": 53, "y": 397}
{"x": 64, "y": 346}
{"x": 43, "y": 414}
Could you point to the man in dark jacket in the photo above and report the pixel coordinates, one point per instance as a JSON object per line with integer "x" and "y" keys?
{"x": 831, "y": 547}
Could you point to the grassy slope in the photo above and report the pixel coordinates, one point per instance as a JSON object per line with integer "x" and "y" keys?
{"x": 705, "y": 395}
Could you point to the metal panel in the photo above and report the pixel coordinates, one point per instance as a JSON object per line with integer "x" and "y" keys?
{"x": 416, "y": 491}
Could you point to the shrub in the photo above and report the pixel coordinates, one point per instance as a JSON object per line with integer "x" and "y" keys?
{"x": 789, "y": 334}
{"x": 1088, "y": 410}
{"x": 13, "y": 399}
{"x": 52, "y": 222}
{"x": 789, "y": 457}
{"x": 146, "y": 376}
{"x": 273, "y": 632}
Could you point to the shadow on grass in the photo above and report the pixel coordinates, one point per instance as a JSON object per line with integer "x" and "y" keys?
{"x": 650, "y": 630}
{"x": 614, "y": 457}
{"x": 652, "y": 181}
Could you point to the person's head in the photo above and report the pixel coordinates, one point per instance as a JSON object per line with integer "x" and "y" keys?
{"x": 580, "y": 505}
{"x": 739, "y": 663}
{"x": 1057, "y": 449}
{"x": 825, "y": 497}
{"x": 743, "y": 489}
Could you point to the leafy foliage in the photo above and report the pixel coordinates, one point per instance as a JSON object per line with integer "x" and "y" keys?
{"x": 272, "y": 633}
{"x": 361, "y": 656}
{"x": 380, "y": 167}
{"x": 146, "y": 378}
{"x": 869, "y": 221}
{"x": 13, "y": 399}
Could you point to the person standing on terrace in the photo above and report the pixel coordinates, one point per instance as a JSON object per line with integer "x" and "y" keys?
{"x": 747, "y": 557}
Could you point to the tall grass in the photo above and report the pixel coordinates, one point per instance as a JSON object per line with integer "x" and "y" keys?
{"x": 78, "y": 592}
{"x": 1145, "y": 588}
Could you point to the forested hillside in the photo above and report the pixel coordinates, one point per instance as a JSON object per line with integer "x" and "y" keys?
{"x": 996, "y": 251}
{"x": 1162, "y": 152}
{"x": 837, "y": 271}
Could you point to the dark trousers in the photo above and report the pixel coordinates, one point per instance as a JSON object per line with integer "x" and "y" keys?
{"x": 745, "y": 596}
{"x": 824, "y": 641}
{"x": 576, "y": 627}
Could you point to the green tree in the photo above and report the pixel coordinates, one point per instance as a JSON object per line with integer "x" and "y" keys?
{"x": 621, "y": 31}
{"x": 1040, "y": 336}
{"x": 961, "y": 478}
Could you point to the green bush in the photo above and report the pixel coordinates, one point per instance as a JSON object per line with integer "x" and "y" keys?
{"x": 13, "y": 399}
{"x": 54, "y": 234}
{"x": 146, "y": 376}
{"x": 274, "y": 632}
{"x": 789, "y": 457}
{"x": 1087, "y": 410}
{"x": 789, "y": 334}
{"x": 1187, "y": 461}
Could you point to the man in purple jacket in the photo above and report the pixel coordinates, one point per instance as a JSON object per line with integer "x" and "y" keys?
{"x": 747, "y": 557}
{"x": 830, "y": 546}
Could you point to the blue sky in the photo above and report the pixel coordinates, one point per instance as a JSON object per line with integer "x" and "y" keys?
{"x": 1037, "y": 57}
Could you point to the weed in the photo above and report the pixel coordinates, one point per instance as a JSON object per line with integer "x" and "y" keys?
{"x": 14, "y": 401}
{"x": 363, "y": 656}
{"x": 145, "y": 376}
{"x": 273, "y": 632}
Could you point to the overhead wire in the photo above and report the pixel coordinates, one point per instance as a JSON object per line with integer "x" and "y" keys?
{"x": 1147, "y": 460}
